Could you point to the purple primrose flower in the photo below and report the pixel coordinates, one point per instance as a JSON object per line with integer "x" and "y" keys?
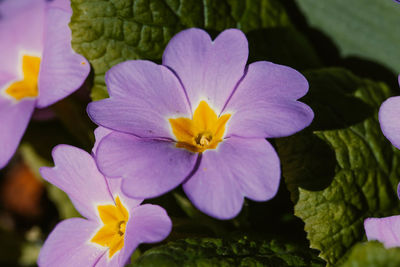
{"x": 200, "y": 119}
{"x": 385, "y": 230}
{"x": 115, "y": 224}
{"x": 389, "y": 119}
{"x": 37, "y": 64}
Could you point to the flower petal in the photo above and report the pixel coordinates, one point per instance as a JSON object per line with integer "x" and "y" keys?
{"x": 149, "y": 167}
{"x": 385, "y": 230}
{"x": 389, "y": 113}
{"x": 14, "y": 118}
{"x": 76, "y": 173}
{"x": 148, "y": 224}
{"x": 115, "y": 188}
{"x": 398, "y": 190}
{"x": 113, "y": 184}
{"x": 21, "y": 30}
{"x": 99, "y": 134}
{"x": 264, "y": 104}
{"x": 209, "y": 70}
{"x": 63, "y": 4}
{"x": 144, "y": 96}
{"x": 238, "y": 168}
{"x": 62, "y": 70}
{"x": 69, "y": 245}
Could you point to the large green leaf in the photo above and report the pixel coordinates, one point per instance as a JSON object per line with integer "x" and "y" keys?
{"x": 373, "y": 254}
{"x": 109, "y": 32}
{"x": 227, "y": 252}
{"x": 342, "y": 170}
{"x": 366, "y": 29}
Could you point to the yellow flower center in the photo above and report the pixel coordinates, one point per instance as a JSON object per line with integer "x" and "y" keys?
{"x": 28, "y": 86}
{"x": 202, "y": 132}
{"x": 111, "y": 235}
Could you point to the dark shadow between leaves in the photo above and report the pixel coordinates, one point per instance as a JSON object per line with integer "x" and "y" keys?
{"x": 307, "y": 162}
{"x": 282, "y": 45}
{"x": 331, "y": 96}
{"x": 370, "y": 70}
{"x": 43, "y": 136}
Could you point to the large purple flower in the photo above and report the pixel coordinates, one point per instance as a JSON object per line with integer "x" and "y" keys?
{"x": 37, "y": 64}
{"x": 115, "y": 224}
{"x": 385, "y": 230}
{"x": 200, "y": 120}
{"x": 389, "y": 119}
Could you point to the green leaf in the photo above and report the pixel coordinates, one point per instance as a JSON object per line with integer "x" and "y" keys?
{"x": 109, "y": 32}
{"x": 373, "y": 254}
{"x": 359, "y": 28}
{"x": 227, "y": 252}
{"x": 342, "y": 170}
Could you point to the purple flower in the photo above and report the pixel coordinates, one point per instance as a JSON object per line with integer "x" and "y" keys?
{"x": 385, "y": 230}
{"x": 115, "y": 224}
{"x": 37, "y": 64}
{"x": 200, "y": 120}
{"x": 389, "y": 119}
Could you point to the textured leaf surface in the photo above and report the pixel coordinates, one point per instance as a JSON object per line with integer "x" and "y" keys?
{"x": 230, "y": 252}
{"x": 366, "y": 29}
{"x": 109, "y": 32}
{"x": 358, "y": 168}
{"x": 373, "y": 254}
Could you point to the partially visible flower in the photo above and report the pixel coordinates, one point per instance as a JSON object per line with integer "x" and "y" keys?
{"x": 385, "y": 230}
{"x": 389, "y": 114}
{"x": 200, "y": 120}
{"x": 37, "y": 64}
{"x": 114, "y": 225}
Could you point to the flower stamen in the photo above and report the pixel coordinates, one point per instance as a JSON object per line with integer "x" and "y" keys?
{"x": 203, "y": 132}
{"x": 111, "y": 235}
{"x": 28, "y": 86}
{"x": 203, "y": 139}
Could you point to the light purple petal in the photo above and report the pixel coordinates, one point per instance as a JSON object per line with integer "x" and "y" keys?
{"x": 5, "y": 78}
{"x": 105, "y": 261}
{"x": 14, "y": 118}
{"x": 144, "y": 96}
{"x": 63, "y": 4}
{"x": 113, "y": 184}
{"x": 21, "y": 31}
{"x": 62, "y": 71}
{"x": 116, "y": 190}
{"x": 147, "y": 224}
{"x": 389, "y": 114}
{"x": 209, "y": 70}
{"x": 149, "y": 167}
{"x": 398, "y": 190}
{"x": 264, "y": 104}
{"x": 239, "y": 167}
{"x": 385, "y": 230}
{"x": 69, "y": 245}
{"x": 99, "y": 134}
{"x": 76, "y": 173}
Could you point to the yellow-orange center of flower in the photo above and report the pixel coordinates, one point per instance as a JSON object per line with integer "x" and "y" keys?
{"x": 203, "y": 132}
{"x": 28, "y": 86}
{"x": 111, "y": 235}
